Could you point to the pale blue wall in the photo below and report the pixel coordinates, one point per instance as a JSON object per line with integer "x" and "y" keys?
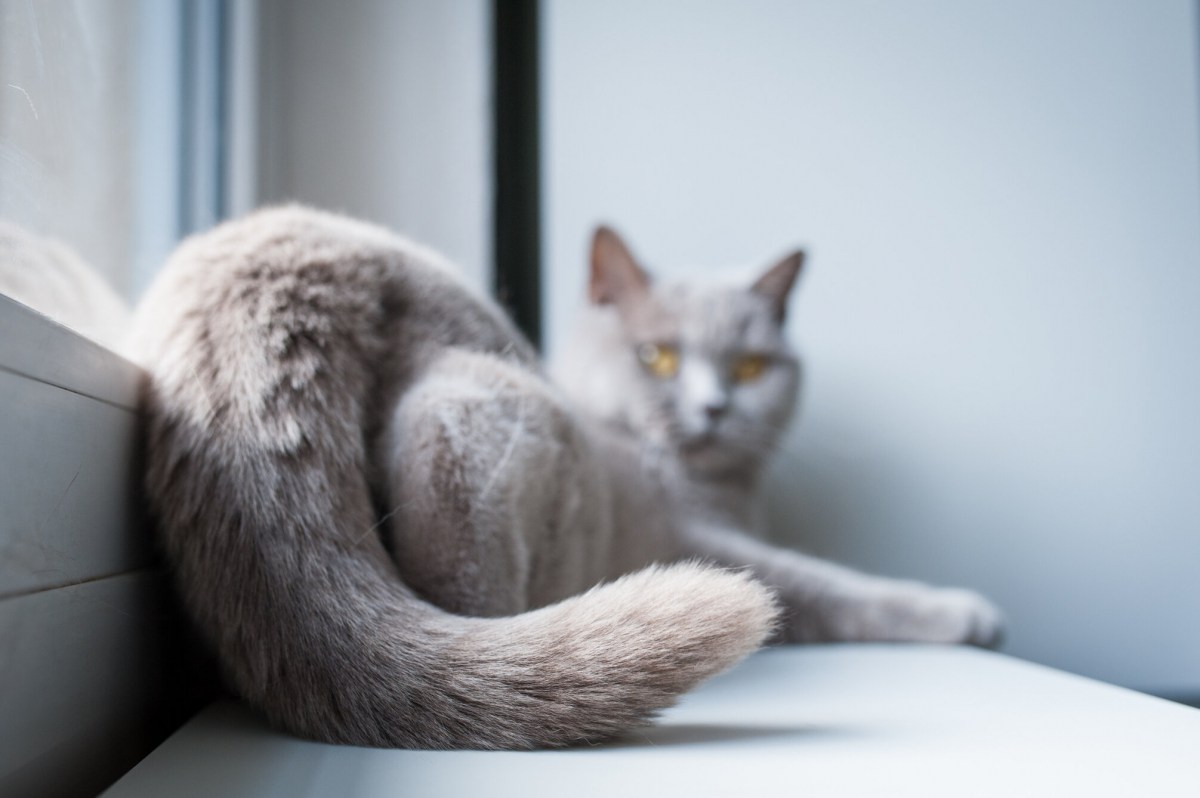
{"x": 1002, "y": 311}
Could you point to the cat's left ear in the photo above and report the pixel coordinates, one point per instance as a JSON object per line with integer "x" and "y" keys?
{"x": 616, "y": 276}
{"x": 776, "y": 282}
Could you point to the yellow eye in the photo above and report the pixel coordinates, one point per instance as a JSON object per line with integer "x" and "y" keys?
{"x": 660, "y": 360}
{"x": 748, "y": 368}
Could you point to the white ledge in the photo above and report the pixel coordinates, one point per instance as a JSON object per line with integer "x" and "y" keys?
{"x": 804, "y": 721}
{"x": 35, "y": 346}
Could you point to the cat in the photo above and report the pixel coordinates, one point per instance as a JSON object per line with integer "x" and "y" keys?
{"x": 395, "y": 531}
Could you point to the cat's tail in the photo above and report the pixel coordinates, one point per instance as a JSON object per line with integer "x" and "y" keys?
{"x": 273, "y": 346}
{"x": 584, "y": 669}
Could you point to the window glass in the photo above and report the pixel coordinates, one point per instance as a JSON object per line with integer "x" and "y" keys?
{"x": 89, "y": 155}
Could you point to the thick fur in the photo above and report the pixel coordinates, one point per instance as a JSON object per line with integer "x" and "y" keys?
{"x": 318, "y": 386}
{"x": 296, "y": 360}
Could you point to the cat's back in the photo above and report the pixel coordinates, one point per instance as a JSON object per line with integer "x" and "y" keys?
{"x": 282, "y": 281}
{"x": 290, "y": 320}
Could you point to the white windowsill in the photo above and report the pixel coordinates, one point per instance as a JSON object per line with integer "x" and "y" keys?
{"x": 35, "y": 346}
{"x": 865, "y": 720}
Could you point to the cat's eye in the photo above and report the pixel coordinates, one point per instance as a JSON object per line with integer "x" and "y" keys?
{"x": 748, "y": 368}
{"x": 661, "y": 360}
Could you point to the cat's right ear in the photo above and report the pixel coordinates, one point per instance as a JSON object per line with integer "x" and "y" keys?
{"x": 776, "y": 283}
{"x": 616, "y": 277}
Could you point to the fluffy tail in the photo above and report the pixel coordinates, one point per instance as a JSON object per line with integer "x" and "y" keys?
{"x": 272, "y": 346}
{"x": 584, "y": 669}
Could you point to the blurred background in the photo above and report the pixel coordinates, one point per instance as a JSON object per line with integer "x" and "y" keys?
{"x": 1001, "y": 200}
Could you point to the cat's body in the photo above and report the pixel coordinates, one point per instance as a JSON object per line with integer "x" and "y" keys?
{"x": 317, "y": 384}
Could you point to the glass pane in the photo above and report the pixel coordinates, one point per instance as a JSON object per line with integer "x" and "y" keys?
{"x": 88, "y": 155}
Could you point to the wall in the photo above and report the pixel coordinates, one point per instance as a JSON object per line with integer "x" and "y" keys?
{"x": 1003, "y": 209}
{"x": 381, "y": 109}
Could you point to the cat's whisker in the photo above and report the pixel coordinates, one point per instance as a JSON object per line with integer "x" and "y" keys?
{"x": 517, "y": 432}
{"x": 383, "y": 519}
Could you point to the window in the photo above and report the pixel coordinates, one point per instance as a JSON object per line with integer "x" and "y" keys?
{"x": 119, "y": 125}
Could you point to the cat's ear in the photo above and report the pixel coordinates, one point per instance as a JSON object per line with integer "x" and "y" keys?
{"x": 616, "y": 276}
{"x": 776, "y": 282}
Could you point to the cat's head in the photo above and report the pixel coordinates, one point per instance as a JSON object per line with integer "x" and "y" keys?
{"x": 702, "y": 371}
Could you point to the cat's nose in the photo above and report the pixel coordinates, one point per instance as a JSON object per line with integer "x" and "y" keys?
{"x": 715, "y": 410}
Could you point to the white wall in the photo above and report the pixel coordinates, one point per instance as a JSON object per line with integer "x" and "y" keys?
{"x": 1000, "y": 313}
{"x": 380, "y": 108}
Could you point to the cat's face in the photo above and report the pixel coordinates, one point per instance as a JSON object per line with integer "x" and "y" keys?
{"x": 706, "y": 371}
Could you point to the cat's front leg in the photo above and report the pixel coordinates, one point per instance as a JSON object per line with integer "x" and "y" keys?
{"x": 828, "y": 602}
{"x": 896, "y": 610}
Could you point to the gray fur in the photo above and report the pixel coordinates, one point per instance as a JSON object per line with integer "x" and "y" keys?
{"x": 316, "y": 384}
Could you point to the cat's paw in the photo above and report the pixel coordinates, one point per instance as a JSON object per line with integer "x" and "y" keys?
{"x": 919, "y": 613}
{"x": 966, "y": 617}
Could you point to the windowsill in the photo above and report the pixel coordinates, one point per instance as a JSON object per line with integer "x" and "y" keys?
{"x": 35, "y": 346}
{"x": 844, "y": 720}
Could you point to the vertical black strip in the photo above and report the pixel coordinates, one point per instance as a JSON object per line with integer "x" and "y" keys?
{"x": 517, "y": 165}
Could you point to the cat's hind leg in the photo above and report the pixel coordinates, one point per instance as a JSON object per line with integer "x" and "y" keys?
{"x": 477, "y": 456}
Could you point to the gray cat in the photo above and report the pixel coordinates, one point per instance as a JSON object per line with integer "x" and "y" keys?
{"x": 321, "y": 391}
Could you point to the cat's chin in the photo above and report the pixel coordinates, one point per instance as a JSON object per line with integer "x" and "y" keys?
{"x": 700, "y": 442}
{"x": 708, "y": 454}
